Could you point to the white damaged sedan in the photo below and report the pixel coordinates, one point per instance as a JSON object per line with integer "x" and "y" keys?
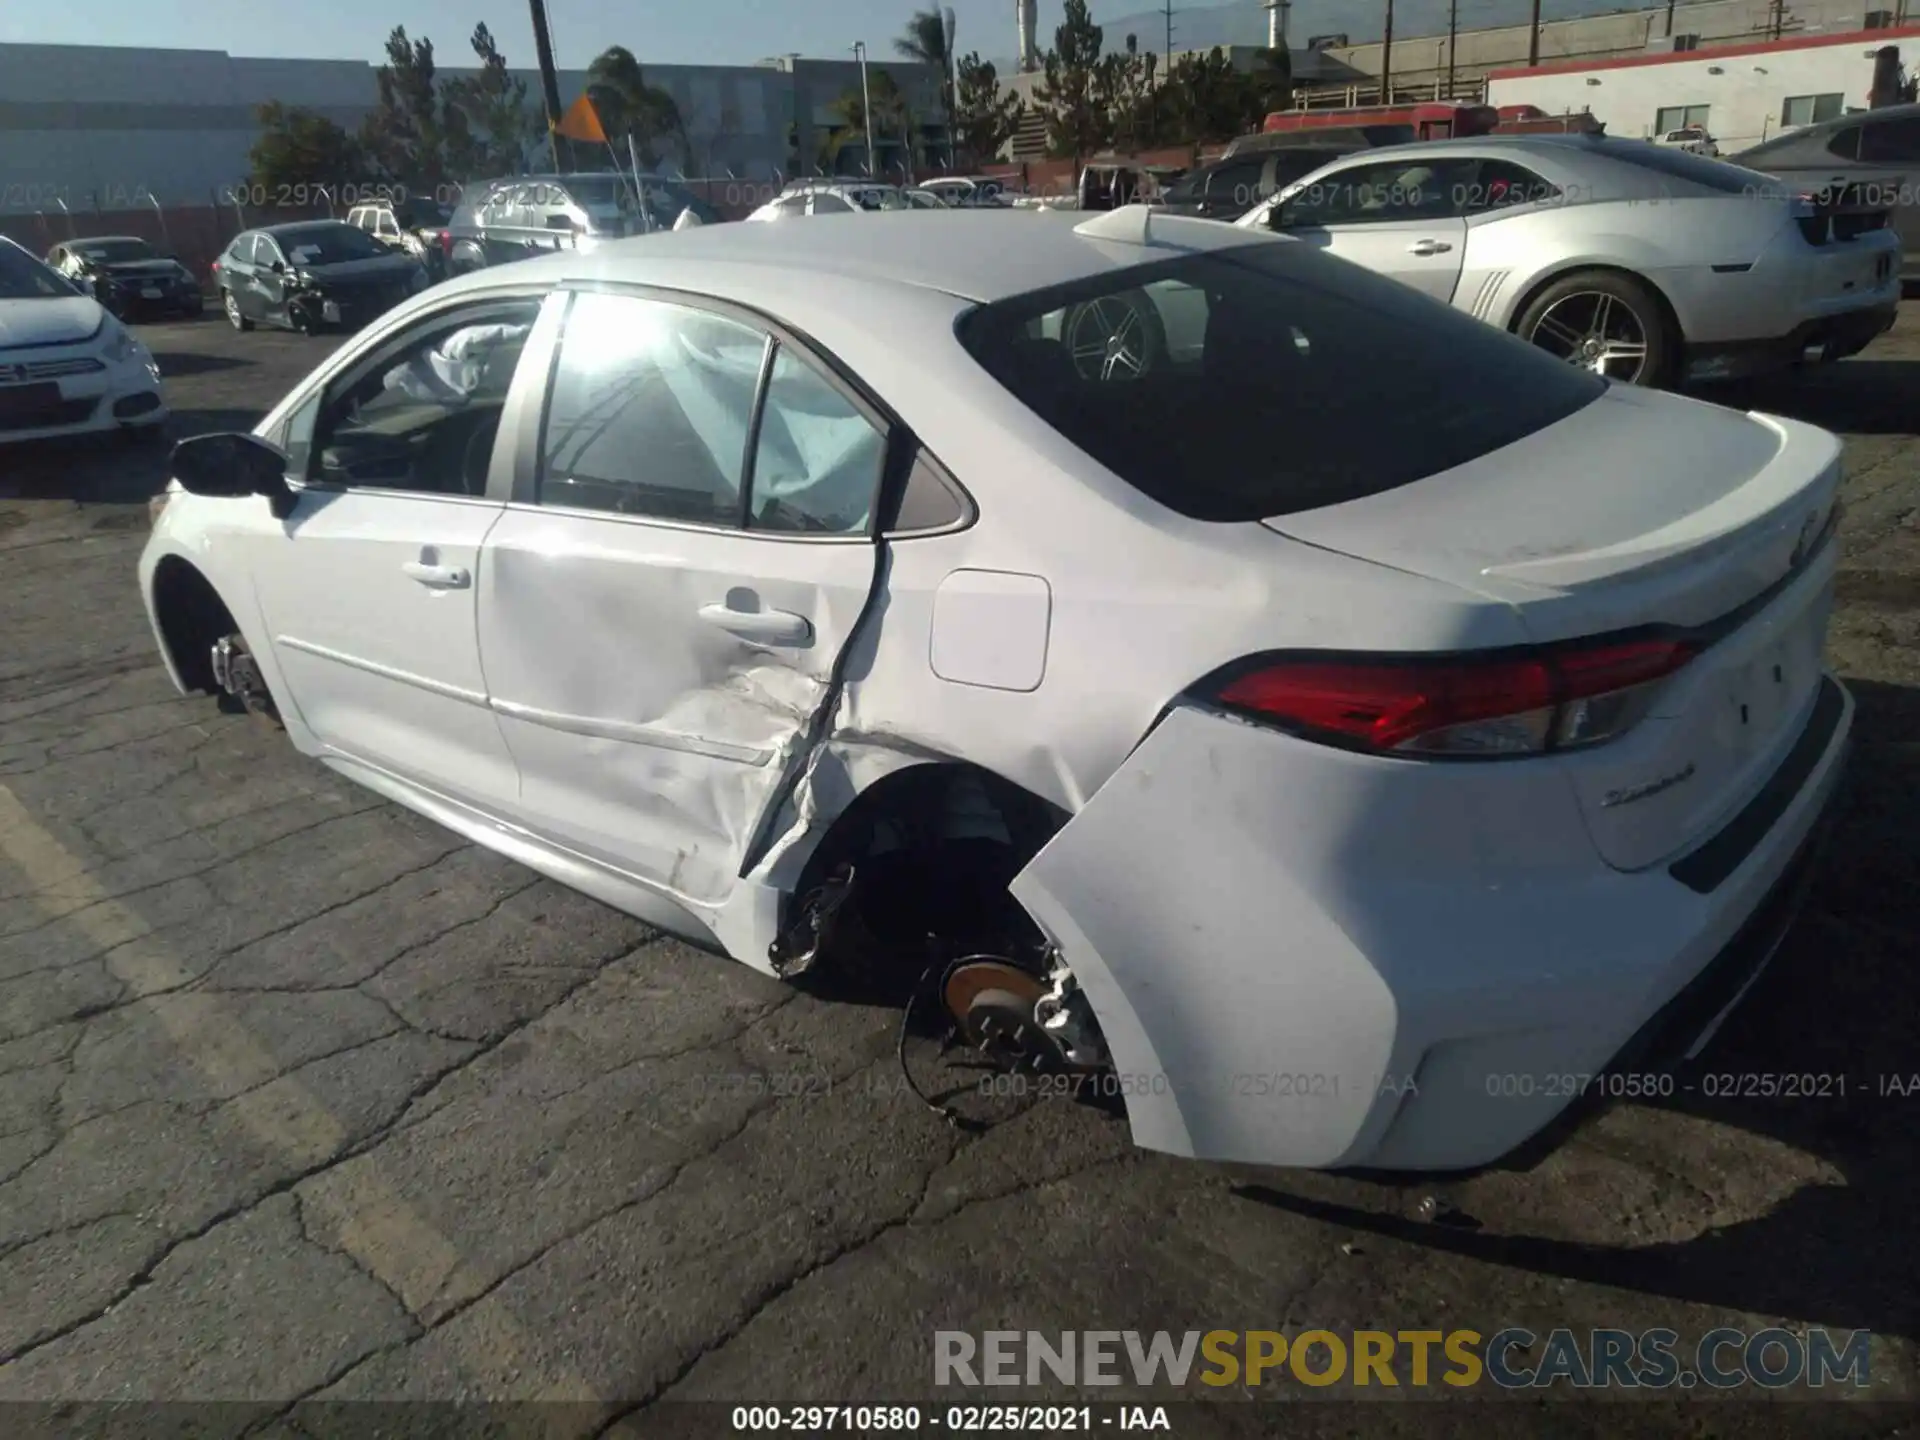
{"x": 68, "y": 367}
{"x": 1049, "y": 617}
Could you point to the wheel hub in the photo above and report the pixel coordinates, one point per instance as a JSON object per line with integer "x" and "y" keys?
{"x": 991, "y": 1001}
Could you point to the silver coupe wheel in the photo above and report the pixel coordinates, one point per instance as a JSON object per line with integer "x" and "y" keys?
{"x": 1597, "y": 332}
{"x": 1110, "y": 339}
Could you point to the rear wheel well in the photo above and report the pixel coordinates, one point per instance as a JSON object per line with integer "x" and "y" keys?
{"x": 192, "y": 618}
{"x": 932, "y": 848}
{"x": 1620, "y": 271}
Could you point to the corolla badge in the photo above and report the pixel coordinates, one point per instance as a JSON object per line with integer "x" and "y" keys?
{"x": 1627, "y": 794}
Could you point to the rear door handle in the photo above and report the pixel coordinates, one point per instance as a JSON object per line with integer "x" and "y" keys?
{"x": 437, "y": 577}
{"x": 775, "y": 627}
{"x": 1428, "y": 247}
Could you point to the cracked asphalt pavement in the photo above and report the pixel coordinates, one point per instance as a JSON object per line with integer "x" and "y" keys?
{"x": 304, "y": 1098}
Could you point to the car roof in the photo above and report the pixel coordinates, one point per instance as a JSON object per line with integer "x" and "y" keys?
{"x": 286, "y": 225}
{"x": 1615, "y": 152}
{"x": 976, "y": 255}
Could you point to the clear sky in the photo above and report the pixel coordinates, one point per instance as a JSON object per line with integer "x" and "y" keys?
{"x": 707, "y": 32}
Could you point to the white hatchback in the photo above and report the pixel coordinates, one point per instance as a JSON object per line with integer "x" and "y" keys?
{"x": 67, "y": 366}
{"x": 1342, "y": 782}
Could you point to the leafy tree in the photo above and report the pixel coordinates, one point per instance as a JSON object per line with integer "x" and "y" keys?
{"x": 1077, "y": 125}
{"x": 629, "y": 106}
{"x": 1272, "y": 82}
{"x": 299, "y": 148}
{"x": 501, "y": 127}
{"x": 1206, "y": 99}
{"x": 984, "y": 118}
{"x": 1124, "y": 90}
{"x": 925, "y": 40}
{"x": 412, "y": 131}
{"x": 892, "y": 119}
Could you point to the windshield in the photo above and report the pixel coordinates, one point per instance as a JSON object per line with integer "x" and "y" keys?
{"x": 24, "y": 278}
{"x": 112, "y": 252}
{"x": 330, "y": 243}
{"x": 600, "y": 191}
{"x": 1246, "y": 383}
{"x": 878, "y": 199}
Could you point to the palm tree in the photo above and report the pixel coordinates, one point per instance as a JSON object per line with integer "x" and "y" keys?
{"x": 629, "y": 107}
{"x": 925, "y": 40}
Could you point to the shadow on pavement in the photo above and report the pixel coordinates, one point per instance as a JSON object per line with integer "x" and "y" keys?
{"x": 108, "y": 469}
{"x": 1844, "y": 1255}
{"x": 176, "y": 363}
{"x": 1862, "y": 396}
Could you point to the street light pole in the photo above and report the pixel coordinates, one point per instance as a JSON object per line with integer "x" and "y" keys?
{"x": 866, "y": 101}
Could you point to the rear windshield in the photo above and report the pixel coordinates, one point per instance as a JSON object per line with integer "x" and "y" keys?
{"x": 601, "y": 192}
{"x": 1266, "y": 379}
{"x": 1685, "y": 165}
{"x": 330, "y": 242}
{"x": 113, "y": 252}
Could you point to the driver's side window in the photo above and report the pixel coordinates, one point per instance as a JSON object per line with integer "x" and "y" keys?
{"x": 420, "y": 415}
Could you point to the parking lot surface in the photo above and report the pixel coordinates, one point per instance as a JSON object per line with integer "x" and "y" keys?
{"x": 301, "y": 1096}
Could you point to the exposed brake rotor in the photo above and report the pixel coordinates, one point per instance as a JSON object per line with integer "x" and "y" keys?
{"x": 991, "y": 1002}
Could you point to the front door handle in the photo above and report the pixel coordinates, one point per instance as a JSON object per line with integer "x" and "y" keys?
{"x": 438, "y": 577}
{"x": 775, "y": 627}
{"x": 1428, "y": 247}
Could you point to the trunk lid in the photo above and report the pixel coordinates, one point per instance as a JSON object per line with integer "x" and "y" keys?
{"x": 1642, "y": 510}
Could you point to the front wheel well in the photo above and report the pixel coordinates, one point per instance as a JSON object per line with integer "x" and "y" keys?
{"x": 932, "y": 849}
{"x": 192, "y": 618}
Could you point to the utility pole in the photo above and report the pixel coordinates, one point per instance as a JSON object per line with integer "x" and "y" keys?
{"x": 1533, "y": 36}
{"x": 1169, "y": 14}
{"x": 549, "y": 80}
{"x": 1453, "y": 33}
{"x": 1386, "y": 58}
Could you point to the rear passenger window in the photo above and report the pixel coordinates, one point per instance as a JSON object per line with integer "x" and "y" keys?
{"x": 1290, "y": 344}
{"x": 1890, "y": 142}
{"x": 650, "y": 410}
{"x": 1501, "y": 184}
{"x": 816, "y": 469}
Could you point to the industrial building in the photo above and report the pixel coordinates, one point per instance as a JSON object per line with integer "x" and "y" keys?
{"x": 1739, "y": 94}
{"x": 1441, "y": 66}
{"x": 103, "y": 128}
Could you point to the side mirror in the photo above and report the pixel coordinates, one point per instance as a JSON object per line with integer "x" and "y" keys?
{"x": 279, "y": 267}
{"x": 1277, "y": 216}
{"x": 232, "y": 464}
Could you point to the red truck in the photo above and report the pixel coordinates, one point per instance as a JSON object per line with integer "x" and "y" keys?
{"x": 1430, "y": 120}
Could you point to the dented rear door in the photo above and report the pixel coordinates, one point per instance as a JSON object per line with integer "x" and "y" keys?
{"x": 660, "y": 634}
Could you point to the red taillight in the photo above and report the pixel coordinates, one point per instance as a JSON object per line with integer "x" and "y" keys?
{"x": 446, "y": 242}
{"x": 216, "y": 267}
{"x": 1547, "y": 700}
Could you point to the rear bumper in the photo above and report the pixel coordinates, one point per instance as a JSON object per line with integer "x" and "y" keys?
{"x": 1822, "y": 340}
{"x": 1393, "y": 967}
